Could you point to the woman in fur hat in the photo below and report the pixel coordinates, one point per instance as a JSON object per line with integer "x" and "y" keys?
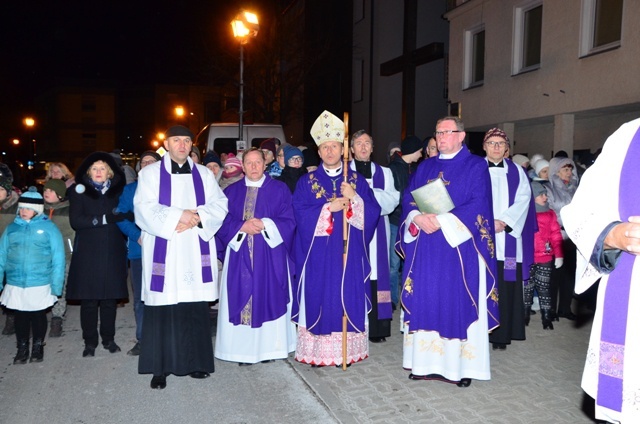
{"x": 98, "y": 271}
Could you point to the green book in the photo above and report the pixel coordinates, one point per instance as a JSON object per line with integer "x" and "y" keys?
{"x": 433, "y": 197}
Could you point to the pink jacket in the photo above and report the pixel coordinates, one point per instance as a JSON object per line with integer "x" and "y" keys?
{"x": 547, "y": 243}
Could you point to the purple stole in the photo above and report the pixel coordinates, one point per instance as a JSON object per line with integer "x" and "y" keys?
{"x": 160, "y": 246}
{"x": 384, "y": 306}
{"x": 616, "y": 301}
{"x": 530, "y": 227}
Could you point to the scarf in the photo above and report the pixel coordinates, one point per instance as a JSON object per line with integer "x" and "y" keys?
{"x": 160, "y": 247}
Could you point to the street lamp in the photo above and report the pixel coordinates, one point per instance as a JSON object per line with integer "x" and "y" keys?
{"x": 245, "y": 27}
{"x": 29, "y": 122}
{"x": 179, "y": 110}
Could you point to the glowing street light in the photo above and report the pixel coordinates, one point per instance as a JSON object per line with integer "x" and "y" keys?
{"x": 179, "y": 110}
{"x": 160, "y": 136}
{"x": 15, "y": 141}
{"x": 29, "y": 122}
{"x": 245, "y": 26}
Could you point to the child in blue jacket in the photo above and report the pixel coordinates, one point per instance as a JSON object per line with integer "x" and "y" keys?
{"x": 33, "y": 258}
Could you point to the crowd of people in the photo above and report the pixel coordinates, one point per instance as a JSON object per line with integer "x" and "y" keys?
{"x": 300, "y": 254}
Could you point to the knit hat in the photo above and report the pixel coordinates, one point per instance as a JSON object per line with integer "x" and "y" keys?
{"x": 58, "y": 186}
{"x": 540, "y": 165}
{"x": 179, "y": 130}
{"x": 6, "y": 183}
{"x": 410, "y": 144}
{"x": 538, "y": 188}
{"x": 520, "y": 159}
{"x": 269, "y": 144}
{"x": 290, "y": 152}
{"x": 151, "y": 153}
{"x": 31, "y": 199}
{"x": 211, "y": 156}
{"x": 327, "y": 127}
{"x": 495, "y": 132}
{"x": 310, "y": 157}
{"x": 535, "y": 158}
{"x": 235, "y": 164}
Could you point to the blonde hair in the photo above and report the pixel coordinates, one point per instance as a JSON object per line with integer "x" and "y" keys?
{"x": 66, "y": 174}
{"x": 110, "y": 173}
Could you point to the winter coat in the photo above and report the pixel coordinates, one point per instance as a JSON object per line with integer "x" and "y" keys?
{"x": 32, "y": 254}
{"x": 99, "y": 262}
{"x": 400, "y": 170}
{"x": 8, "y": 210}
{"x": 58, "y": 213}
{"x": 129, "y": 228}
{"x": 547, "y": 242}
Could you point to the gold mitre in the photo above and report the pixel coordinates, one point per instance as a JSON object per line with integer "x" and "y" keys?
{"x": 327, "y": 127}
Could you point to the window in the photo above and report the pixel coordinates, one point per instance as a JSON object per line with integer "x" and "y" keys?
{"x": 474, "y": 41}
{"x": 601, "y": 26}
{"x": 527, "y": 37}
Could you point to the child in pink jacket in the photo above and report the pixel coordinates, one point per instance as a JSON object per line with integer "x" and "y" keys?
{"x": 547, "y": 246}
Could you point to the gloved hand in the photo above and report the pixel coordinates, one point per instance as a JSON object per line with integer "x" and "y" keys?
{"x": 115, "y": 217}
{"x": 559, "y": 262}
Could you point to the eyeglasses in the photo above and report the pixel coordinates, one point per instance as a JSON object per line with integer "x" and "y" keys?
{"x": 281, "y": 155}
{"x": 495, "y": 143}
{"x": 296, "y": 159}
{"x": 147, "y": 162}
{"x": 445, "y": 132}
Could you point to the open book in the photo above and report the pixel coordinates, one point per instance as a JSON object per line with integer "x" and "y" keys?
{"x": 433, "y": 197}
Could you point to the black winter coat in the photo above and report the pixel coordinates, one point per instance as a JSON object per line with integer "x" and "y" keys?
{"x": 98, "y": 267}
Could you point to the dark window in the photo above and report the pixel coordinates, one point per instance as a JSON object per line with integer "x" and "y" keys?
{"x": 477, "y": 66}
{"x": 532, "y": 37}
{"x": 608, "y": 22}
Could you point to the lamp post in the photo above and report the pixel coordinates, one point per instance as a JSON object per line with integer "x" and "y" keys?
{"x": 245, "y": 26}
{"x": 29, "y": 123}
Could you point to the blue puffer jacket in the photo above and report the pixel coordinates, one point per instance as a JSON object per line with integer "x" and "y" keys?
{"x": 32, "y": 254}
{"x": 128, "y": 228}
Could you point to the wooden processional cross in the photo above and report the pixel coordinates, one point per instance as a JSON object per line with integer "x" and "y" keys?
{"x": 407, "y": 63}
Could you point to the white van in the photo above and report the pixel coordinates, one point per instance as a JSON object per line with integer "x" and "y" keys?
{"x": 223, "y": 137}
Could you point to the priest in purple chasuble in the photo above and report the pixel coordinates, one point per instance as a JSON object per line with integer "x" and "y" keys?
{"x": 515, "y": 224}
{"x": 179, "y": 208}
{"x": 381, "y": 181}
{"x": 449, "y": 291}
{"x": 254, "y": 321}
{"x": 603, "y": 220}
{"x": 326, "y": 290}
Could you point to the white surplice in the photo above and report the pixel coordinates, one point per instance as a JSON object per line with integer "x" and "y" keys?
{"x": 183, "y": 270}
{"x": 594, "y": 206}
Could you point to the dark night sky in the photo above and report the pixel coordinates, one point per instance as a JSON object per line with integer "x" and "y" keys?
{"x": 123, "y": 41}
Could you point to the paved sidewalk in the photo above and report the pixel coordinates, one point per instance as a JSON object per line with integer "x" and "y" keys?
{"x": 534, "y": 381}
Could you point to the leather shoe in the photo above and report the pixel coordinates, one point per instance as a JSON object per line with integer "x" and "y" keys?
{"x": 464, "y": 382}
{"x": 158, "y": 382}
{"x": 377, "y": 339}
{"x": 244, "y": 364}
{"x": 499, "y": 346}
{"x": 111, "y": 346}
{"x": 89, "y": 351}
{"x": 569, "y": 315}
{"x": 199, "y": 374}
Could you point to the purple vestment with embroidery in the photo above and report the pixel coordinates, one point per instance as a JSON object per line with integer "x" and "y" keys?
{"x": 329, "y": 293}
{"x": 260, "y": 275}
{"x": 440, "y": 282}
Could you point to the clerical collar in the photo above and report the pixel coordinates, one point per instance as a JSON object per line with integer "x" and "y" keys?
{"x": 496, "y": 165}
{"x": 333, "y": 172}
{"x": 258, "y": 183}
{"x": 449, "y": 155}
{"x": 177, "y": 169}
{"x": 363, "y": 167}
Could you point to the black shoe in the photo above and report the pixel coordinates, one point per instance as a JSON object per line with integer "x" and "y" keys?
{"x": 547, "y": 322}
{"x": 56, "y": 327}
{"x": 377, "y": 339}
{"x": 268, "y": 361}
{"x": 533, "y": 312}
{"x": 527, "y": 315}
{"x": 465, "y": 382}
{"x": 199, "y": 374}
{"x": 499, "y": 346}
{"x": 89, "y": 351}
{"x": 23, "y": 352}
{"x": 111, "y": 346}
{"x": 158, "y": 382}
{"x": 135, "y": 350}
{"x": 244, "y": 364}
{"x": 37, "y": 352}
{"x": 568, "y": 315}
{"x": 340, "y": 365}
